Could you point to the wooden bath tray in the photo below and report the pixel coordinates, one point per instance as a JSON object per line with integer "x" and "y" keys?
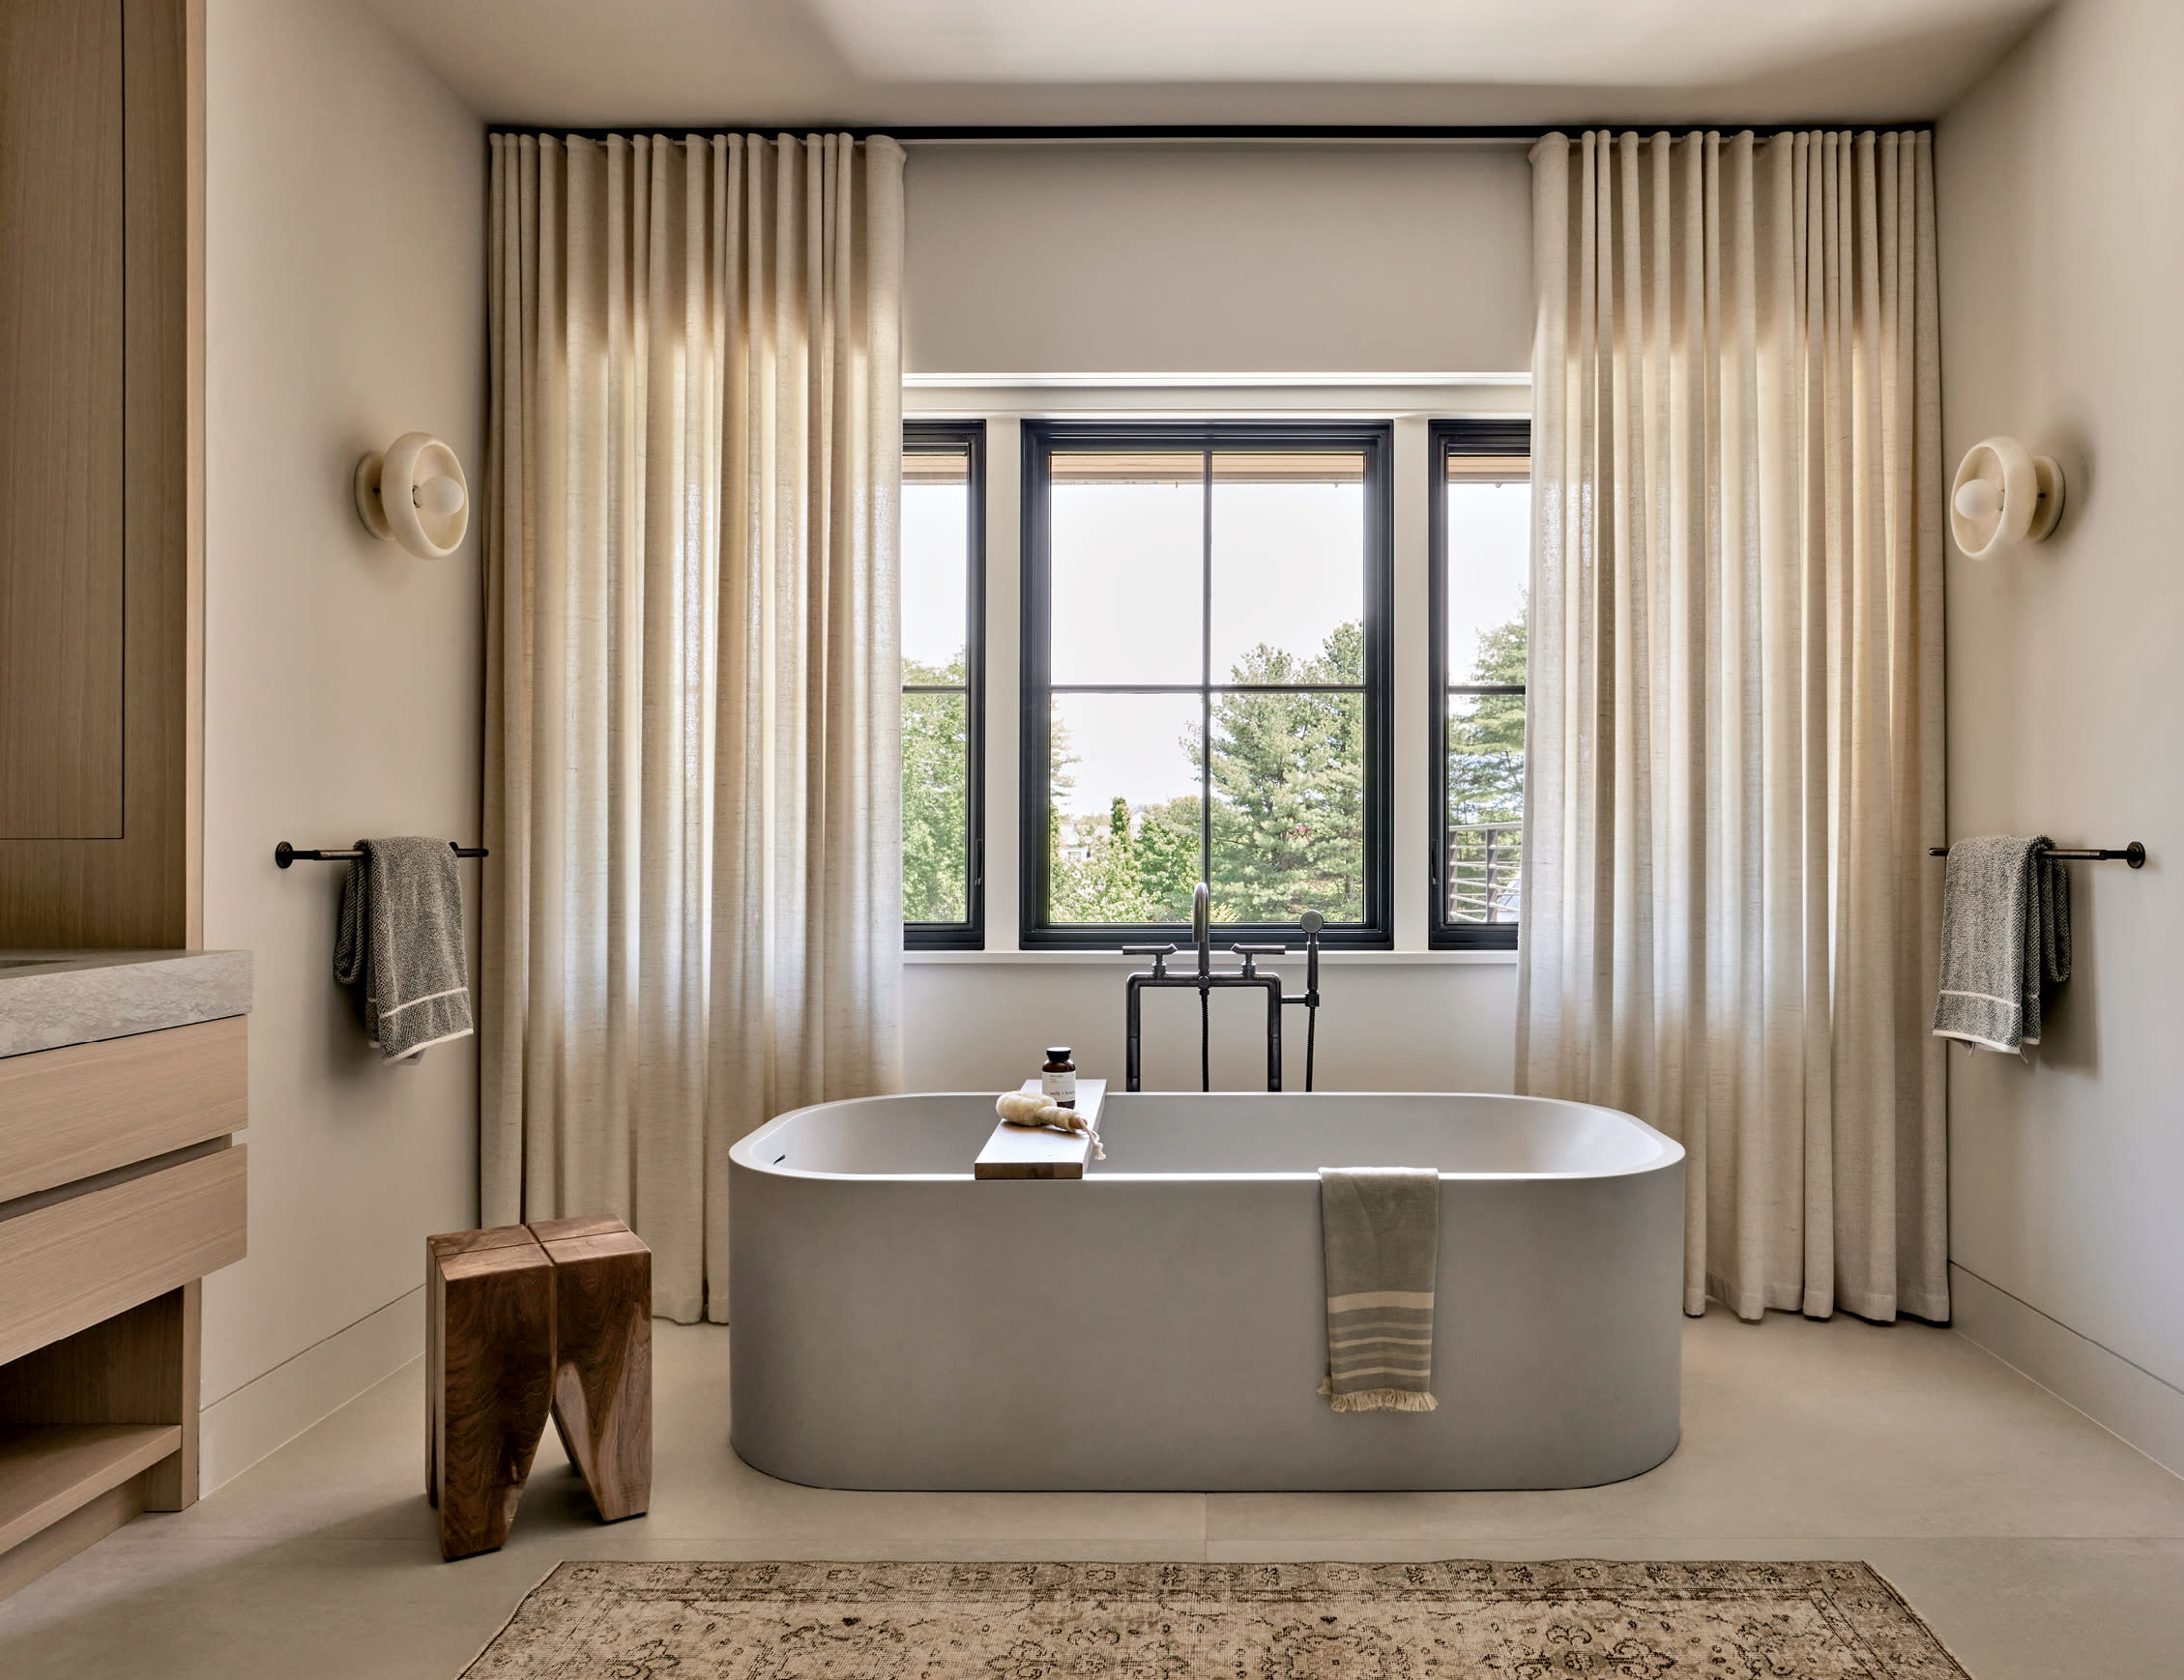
{"x": 1036, "y": 1152}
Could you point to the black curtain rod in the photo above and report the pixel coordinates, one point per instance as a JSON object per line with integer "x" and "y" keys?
{"x": 911, "y": 133}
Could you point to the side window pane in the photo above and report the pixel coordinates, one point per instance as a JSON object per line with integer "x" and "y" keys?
{"x": 1486, "y": 553}
{"x": 936, "y": 511}
{"x": 1489, "y": 561}
{"x": 939, "y": 686}
{"x": 1486, "y": 800}
{"x": 936, "y": 807}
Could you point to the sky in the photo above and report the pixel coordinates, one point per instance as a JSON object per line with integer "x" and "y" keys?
{"x": 1288, "y": 568}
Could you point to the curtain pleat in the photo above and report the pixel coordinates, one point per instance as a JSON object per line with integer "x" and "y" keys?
{"x": 1736, "y": 752}
{"x": 693, "y": 903}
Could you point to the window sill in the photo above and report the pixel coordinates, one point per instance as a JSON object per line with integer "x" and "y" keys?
{"x": 1183, "y": 959}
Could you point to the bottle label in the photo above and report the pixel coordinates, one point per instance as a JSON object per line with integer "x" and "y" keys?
{"x": 1059, "y": 1088}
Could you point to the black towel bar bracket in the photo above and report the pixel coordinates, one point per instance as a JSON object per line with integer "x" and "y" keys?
{"x": 284, "y": 855}
{"x": 2133, "y": 854}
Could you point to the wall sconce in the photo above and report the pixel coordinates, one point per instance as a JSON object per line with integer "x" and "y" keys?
{"x": 428, "y": 510}
{"x": 2005, "y": 495}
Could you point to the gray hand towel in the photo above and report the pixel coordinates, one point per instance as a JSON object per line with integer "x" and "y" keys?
{"x": 1381, "y": 1227}
{"x": 2005, "y": 929}
{"x": 400, "y": 945}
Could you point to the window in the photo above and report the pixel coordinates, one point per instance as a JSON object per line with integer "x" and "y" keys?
{"x": 943, "y": 568}
{"x": 1205, "y": 680}
{"x": 1480, "y": 533}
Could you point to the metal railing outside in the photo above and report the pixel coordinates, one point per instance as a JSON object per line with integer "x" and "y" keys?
{"x": 1484, "y": 862}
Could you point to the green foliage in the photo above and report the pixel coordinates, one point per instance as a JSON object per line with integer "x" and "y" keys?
{"x": 1486, "y": 733}
{"x": 1288, "y": 818}
{"x": 1287, "y": 771}
{"x": 1289, "y": 788}
{"x": 1486, "y": 780}
{"x": 936, "y": 796}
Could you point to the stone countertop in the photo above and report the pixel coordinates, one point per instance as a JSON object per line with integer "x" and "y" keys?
{"x": 50, "y": 998}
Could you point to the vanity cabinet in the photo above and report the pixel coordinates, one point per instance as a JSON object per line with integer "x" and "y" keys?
{"x": 121, "y": 1186}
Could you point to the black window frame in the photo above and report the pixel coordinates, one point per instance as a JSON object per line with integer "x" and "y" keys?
{"x": 1445, "y": 438}
{"x": 966, "y": 437}
{"x": 1375, "y": 439}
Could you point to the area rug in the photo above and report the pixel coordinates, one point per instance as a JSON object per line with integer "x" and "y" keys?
{"x": 1571, "y": 1621}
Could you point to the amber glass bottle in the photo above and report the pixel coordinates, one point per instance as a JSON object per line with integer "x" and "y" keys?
{"x": 1058, "y": 1079}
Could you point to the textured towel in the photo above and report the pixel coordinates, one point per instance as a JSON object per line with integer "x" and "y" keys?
{"x": 1382, "y": 1230}
{"x": 2005, "y": 929}
{"x": 400, "y": 945}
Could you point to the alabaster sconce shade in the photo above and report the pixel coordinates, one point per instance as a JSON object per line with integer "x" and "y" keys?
{"x": 2003, "y": 496}
{"x": 413, "y": 492}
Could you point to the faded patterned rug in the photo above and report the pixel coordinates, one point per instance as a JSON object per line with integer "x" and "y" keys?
{"x": 1180, "y": 1621}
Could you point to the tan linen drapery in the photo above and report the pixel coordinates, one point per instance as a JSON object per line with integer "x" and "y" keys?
{"x": 692, "y": 795}
{"x": 1734, "y": 748}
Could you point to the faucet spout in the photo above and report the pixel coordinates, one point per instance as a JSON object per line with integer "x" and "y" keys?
{"x": 1202, "y": 926}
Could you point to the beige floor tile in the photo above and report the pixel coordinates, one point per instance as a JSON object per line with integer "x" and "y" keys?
{"x": 2035, "y": 1543}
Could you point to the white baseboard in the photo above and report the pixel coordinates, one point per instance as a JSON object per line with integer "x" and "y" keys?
{"x": 268, "y": 1411}
{"x": 2124, "y": 1398}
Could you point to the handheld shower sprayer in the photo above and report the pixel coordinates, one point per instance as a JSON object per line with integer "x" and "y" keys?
{"x": 1311, "y": 922}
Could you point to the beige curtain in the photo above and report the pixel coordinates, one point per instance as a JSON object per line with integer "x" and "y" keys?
{"x": 1736, "y": 751}
{"x": 693, "y": 905}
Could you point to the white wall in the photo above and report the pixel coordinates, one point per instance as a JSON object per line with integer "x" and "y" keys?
{"x": 344, "y": 278}
{"x": 2061, "y": 196}
{"x": 1218, "y": 259}
{"x": 1384, "y": 1025}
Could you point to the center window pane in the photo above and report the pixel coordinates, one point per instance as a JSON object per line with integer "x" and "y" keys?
{"x": 1128, "y": 578}
{"x": 1288, "y": 564}
{"x": 1206, "y": 676}
{"x": 1123, "y": 831}
{"x": 1288, "y": 806}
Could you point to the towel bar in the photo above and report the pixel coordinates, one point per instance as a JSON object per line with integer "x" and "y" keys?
{"x": 284, "y": 855}
{"x": 2133, "y": 854}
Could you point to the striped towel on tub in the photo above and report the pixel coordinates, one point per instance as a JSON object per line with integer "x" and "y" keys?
{"x": 1381, "y": 1227}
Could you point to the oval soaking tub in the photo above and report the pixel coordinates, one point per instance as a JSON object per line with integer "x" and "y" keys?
{"x": 1160, "y": 1322}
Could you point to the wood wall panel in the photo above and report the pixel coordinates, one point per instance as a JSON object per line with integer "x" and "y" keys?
{"x": 60, "y": 420}
{"x": 137, "y": 891}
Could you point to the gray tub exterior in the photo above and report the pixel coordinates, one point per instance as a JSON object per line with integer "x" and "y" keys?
{"x": 901, "y": 1325}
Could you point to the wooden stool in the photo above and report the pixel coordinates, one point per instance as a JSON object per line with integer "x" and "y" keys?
{"x": 489, "y": 1368}
{"x": 522, "y": 1320}
{"x": 603, "y": 1357}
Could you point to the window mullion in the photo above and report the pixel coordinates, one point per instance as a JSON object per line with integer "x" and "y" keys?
{"x": 1206, "y": 667}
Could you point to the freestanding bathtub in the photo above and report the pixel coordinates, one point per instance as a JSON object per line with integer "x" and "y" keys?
{"x": 1159, "y": 1323}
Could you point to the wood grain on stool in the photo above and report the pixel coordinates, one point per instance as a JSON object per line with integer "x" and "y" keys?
{"x": 603, "y": 1357}
{"x": 489, "y": 1379}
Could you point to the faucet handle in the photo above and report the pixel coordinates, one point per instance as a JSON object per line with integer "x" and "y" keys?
{"x": 1252, "y": 953}
{"x": 1158, "y": 953}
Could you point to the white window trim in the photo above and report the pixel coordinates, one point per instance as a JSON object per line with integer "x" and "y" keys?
{"x": 1003, "y": 403}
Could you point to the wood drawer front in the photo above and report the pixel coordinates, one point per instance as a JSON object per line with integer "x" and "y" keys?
{"x": 68, "y": 1265}
{"x": 68, "y": 1113}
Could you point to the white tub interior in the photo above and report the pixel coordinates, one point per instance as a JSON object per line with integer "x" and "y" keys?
{"x": 1250, "y": 1134}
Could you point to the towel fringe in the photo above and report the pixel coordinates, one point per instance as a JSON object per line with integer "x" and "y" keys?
{"x": 1379, "y": 1399}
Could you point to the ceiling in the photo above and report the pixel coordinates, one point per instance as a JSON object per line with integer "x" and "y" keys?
{"x": 602, "y": 63}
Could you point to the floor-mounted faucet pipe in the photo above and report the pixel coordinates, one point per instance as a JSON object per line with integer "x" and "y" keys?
{"x": 1206, "y": 979}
